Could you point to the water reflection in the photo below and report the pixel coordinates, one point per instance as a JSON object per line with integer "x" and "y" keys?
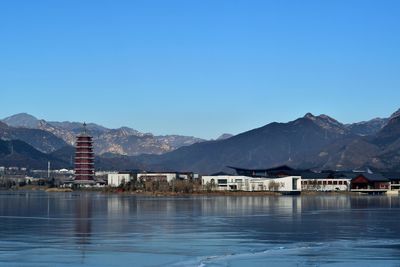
{"x": 83, "y": 219}
{"x": 84, "y": 227}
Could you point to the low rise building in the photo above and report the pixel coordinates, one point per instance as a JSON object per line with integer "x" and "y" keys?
{"x": 157, "y": 176}
{"x": 117, "y": 179}
{"x": 289, "y": 184}
{"x": 394, "y": 178}
{"x": 325, "y": 182}
{"x": 370, "y": 182}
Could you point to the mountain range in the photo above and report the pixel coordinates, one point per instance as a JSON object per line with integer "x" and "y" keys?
{"x": 310, "y": 142}
{"x": 122, "y": 141}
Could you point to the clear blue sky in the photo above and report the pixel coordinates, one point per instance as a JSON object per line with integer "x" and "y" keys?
{"x": 199, "y": 67}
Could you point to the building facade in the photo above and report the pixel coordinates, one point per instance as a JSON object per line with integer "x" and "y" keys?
{"x": 288, "y": 184}
{"x": 325, "y": 182}
{"x": 157, "y": 176}
{"x": 365, "y": 182}
{"x": 117, "y": 179}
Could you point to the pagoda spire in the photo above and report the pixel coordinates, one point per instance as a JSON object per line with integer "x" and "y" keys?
{"x": 85, "y": 128}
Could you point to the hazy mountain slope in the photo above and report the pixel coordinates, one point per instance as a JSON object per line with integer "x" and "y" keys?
{"x": 123, "y": 141}
{"x": 76, "y": 127}
{"x": 22, "y": 120}
{"x": 366, "y": 128}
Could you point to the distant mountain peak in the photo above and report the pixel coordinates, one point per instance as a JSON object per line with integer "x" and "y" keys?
{"x": 395, "y": 115}
{"x": 321, "y": 117}
{"x": 23, "y": 115}
{"x": 365, "y": 128}
{"x": 126, "y": 131}
{"x": 224, "y": 136}
{"x": 326, "y": 122}
{"x": 309, "y": 115}
{"x": 22, "y": 120}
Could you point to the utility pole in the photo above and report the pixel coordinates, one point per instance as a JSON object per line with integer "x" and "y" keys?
{"x": 48, "y": 170}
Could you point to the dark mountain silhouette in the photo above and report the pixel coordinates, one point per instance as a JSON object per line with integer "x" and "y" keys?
{"x": 316, "y": 142}
{"x": 274, "y": 144}
{"x": 17, "y": 153}
{"x": 42, "y": 140}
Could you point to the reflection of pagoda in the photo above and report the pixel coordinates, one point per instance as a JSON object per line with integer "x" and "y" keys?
{"x": 83, "y": 217}
{"x": 84, "y": 158}
{"x": 83, "y": 224}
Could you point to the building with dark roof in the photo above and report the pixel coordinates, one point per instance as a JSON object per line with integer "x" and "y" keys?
{"x": 370, "y": 181}
{"x": 329, "y": 180}
{"x": 280, "y": 171}
{"x": 394, "y": 178}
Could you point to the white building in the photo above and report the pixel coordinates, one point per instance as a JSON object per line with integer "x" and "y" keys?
{"x": 117, "y": 179}
{"x": 104, "y": 173}
{"x": 326, "y": 185}
{"x": 246, "y": 183}
{"x": 150, "y": 176}
{"x": 325, "y": 182}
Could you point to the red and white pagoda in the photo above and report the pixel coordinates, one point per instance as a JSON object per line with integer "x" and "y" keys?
{"x": 84, "y": 158}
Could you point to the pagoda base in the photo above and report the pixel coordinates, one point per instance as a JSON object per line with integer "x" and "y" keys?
{"x": 84, "y": 182}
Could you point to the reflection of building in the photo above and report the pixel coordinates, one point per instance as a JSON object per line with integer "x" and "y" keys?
{"x": 83, "y": 214}
{"x": 84, "y": 158}
{"x": 83, "y": 223}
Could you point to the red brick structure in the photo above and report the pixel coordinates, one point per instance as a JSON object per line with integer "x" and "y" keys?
{"x": 368, "y": 181}
{"x": 84, "y": 158}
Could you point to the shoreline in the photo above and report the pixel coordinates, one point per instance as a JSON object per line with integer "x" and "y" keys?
{"x": 176, "y": 194}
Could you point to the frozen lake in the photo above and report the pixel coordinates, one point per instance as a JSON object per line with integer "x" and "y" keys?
{"x": 92, "y": 229}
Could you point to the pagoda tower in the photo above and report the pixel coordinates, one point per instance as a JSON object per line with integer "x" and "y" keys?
{"x": 84, "y": 158}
